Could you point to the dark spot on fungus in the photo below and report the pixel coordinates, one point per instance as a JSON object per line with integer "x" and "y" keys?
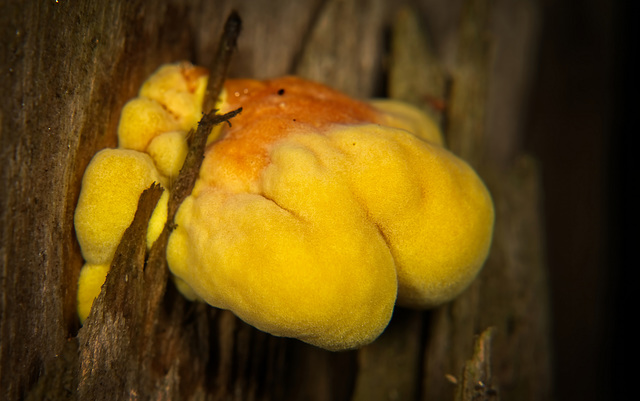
{"x": 281, "y": 92}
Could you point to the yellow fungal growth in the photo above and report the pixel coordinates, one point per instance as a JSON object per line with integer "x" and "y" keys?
{"x": 408, "y": 118}
{"x": 179, "y": 88}
{"x": 168, "y": 151}
{"x": 156, "y": 122}
{"x": 170, "y": 100}
{"x": 89, "y": 283}
{"x": 314, "y": 214}
{"x": 111, "y": 187}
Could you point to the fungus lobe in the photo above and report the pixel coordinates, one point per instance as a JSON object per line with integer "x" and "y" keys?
{"x": 314, "y": 213}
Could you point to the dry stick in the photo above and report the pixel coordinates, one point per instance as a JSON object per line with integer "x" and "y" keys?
{"x": 227, "y": 45}
{"x": 156, "y": 263}
{"x": 190, "y": 169}
{"x": 476, "y": 382}
{"x": 183, "y": 185}
{"x": 156, "y": 267}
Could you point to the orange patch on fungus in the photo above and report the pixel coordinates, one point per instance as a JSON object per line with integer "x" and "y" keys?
{"x": 271, "y": 110}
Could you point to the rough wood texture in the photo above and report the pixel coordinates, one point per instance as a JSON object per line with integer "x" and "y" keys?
{"x": 511, "y": 292}
{"x": 113, "y": 342}
{"x": 68, "y": 68}
{"x": 476, "y": 381}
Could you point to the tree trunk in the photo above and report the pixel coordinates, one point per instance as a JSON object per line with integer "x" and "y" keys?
{"x": 68, "y": 69}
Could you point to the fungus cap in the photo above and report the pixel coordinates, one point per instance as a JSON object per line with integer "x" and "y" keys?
{"x": 111, "y": 186}
{"x": 313, "y": 213}
{"x": 90, "y": 282}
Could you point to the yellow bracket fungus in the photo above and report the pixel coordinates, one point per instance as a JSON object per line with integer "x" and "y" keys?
{"x": 313, "y": 215}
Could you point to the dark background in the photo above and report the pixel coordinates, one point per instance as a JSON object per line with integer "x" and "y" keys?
{"x": 580, "y": 128}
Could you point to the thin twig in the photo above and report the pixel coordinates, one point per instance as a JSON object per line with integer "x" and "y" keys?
{"x": 218, "y": 74}
{"x": 156, "y": 266}
{"x": 183, "y": 185}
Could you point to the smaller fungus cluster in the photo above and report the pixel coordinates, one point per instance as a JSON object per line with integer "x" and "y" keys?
{"x": 313, "y": 214}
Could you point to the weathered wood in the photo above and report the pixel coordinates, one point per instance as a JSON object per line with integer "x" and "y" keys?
{"x": 113, "y": 356}
{"x": 476, "y": 381}
{"x": 344, "y": 48}
{"x": 390, "y": 367}
{"x": 67, "y": 70}
{"x": 416, "y": 75}
{"x": 70, "y": 67}
{"x": 455, "y": 324}
{"x": 511, "y": 292}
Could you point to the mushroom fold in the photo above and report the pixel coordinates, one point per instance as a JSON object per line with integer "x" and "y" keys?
{"x": 314, "y": 213}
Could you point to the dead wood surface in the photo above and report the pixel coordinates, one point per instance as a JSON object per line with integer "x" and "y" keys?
{"x": 67, "y": 70}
